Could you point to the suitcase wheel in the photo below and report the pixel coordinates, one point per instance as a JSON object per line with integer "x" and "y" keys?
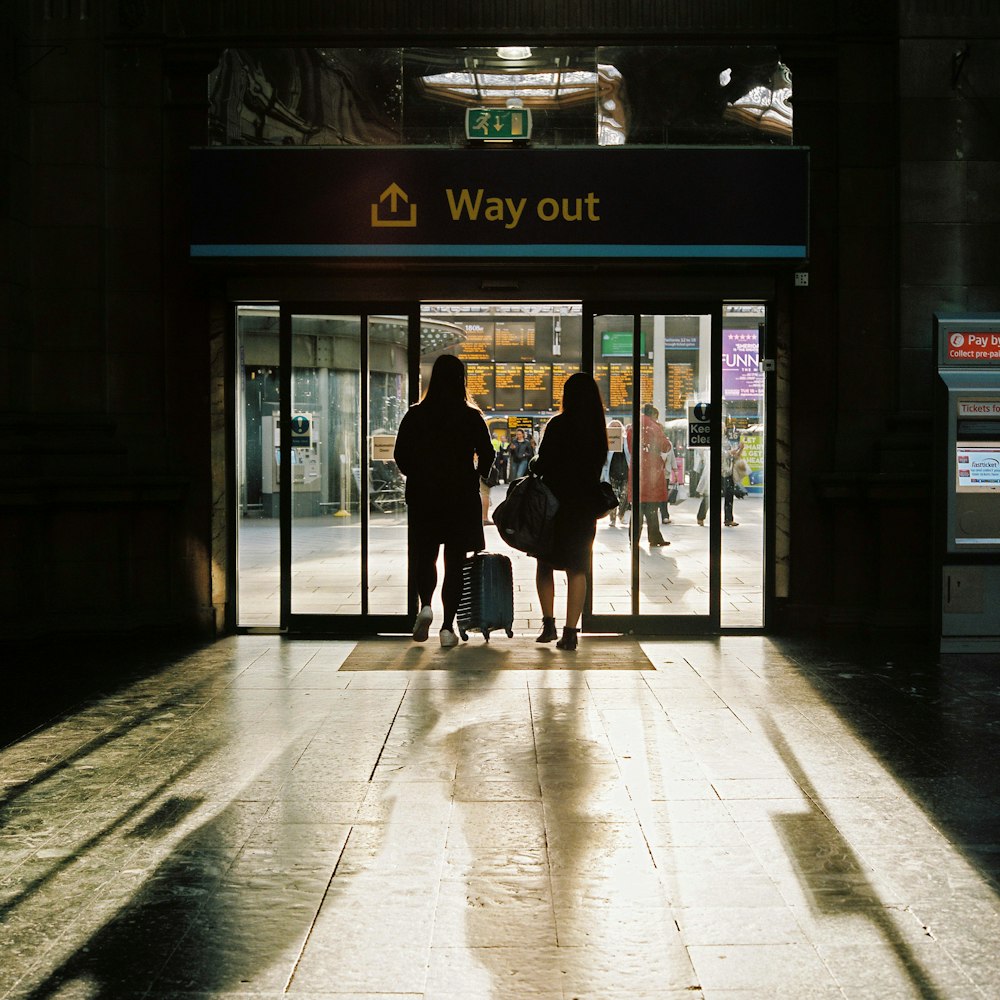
{"x": 486, "y": 634}
{"x": 510, "y": 633}
{"x": 463, "y": 634}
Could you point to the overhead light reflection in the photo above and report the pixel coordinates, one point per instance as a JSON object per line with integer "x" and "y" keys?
{"x": 514, "y": 52}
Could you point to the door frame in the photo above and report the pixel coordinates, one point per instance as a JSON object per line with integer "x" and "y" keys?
{"x": 636, "y": 622}
{"x": 363, "y": 622}
{"x": 708, "y": 301}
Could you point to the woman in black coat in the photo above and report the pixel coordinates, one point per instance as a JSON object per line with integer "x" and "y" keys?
{"x": 443, "y": 447}
{"x": 570, "y": 460}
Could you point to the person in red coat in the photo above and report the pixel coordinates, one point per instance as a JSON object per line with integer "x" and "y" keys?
{"x": 653, "y": 447}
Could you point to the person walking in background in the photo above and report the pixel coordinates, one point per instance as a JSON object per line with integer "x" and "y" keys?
{"x": 500, "y": 461}
{"x": 669, "y": 471}
{"x": 734, "y": 468}
{"x": 731, "y": 458}
{"x": 492, "y": 478}
{"x": 616, "y": 470}
{"x": 443, "y": 448}
{"x": 653, "y": 448}
{"x": 521, "y": 452}
{"x": 570, "y": 459}
{"x": 703, "y": 483}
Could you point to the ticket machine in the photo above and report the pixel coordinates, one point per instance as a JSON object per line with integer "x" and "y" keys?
{"x": 306, "y": 470}
{"x": 968, "y": 487}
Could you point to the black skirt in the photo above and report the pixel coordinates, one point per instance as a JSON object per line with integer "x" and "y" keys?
{"x": 573, "y": 532}
{"x": 457, "y": 522}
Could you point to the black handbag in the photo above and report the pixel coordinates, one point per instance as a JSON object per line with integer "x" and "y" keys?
{"x": 525, "y": 517}
{"x": 605, "y": 500}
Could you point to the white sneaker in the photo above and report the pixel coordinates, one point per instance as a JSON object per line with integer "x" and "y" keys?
{"x": 422, "y": 626}
{"x": 448, "y": 638}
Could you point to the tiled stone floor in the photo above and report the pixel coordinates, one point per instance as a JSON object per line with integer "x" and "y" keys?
{"x": 326, "y": 560}
{"x": 755, "y": 818}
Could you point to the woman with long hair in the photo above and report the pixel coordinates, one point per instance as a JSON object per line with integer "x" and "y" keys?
{"x": 443, "y": 447}
{"x": 570, "y": 459}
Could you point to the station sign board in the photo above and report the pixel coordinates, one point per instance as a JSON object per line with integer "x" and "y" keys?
{"x": 626, "y": 202}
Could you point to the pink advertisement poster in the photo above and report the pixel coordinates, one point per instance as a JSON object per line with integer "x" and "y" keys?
{"x": 741, "y": 377}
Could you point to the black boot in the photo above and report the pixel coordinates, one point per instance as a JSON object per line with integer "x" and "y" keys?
{"x": 568, "y": 640}
{"x": 548, "y": 630}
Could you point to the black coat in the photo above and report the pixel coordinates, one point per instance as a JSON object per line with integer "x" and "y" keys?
{"x": 571, "y": 465}
{"x": 438, "y": 449}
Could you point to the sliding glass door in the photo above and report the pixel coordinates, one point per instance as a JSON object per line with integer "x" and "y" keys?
{"x": 687, "y": 394}
{"x": 321, "y": 536}
{"x": 335, "y": 394}
{"x": 656, "y": 566}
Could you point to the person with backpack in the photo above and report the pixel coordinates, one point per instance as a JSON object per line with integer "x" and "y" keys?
{"x": 570, "y": 459}
{"x": 443, "y": 448}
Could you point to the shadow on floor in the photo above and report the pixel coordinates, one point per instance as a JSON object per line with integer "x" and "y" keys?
{"x": 44, "y": 679}
{"x": 934, "y": 722}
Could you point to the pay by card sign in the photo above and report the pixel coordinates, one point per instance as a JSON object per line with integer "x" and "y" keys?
{"x": 973, "y": 346}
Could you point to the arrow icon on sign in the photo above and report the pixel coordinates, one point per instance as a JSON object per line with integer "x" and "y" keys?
{"x": 394, "y": 193}
{"x": 396, "y": 196}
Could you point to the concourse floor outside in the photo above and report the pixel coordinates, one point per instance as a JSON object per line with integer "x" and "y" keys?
{"x": 743, "y": 817}
{"x": 326, "y": 555}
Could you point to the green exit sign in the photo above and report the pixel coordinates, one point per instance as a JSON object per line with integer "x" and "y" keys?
{"x": 497, "y": 124}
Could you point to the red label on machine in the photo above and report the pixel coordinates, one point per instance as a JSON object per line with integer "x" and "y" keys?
{"x": 974, "y": 347}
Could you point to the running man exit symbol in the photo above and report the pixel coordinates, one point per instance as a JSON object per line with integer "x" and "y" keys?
{"x": 498, "y": 124}
{"x": 386, "y": 211}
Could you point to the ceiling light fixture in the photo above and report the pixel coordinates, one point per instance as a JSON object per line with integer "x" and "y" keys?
{"x": 514, "y": 52}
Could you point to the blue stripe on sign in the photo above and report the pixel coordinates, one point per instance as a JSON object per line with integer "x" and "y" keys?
{"x": 492, "y": 250}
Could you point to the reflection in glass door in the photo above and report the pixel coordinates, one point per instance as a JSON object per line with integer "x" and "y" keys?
{"x": 348, "y": 528}
{"x": 686, "y": 396}
{"x": 257, "y": 453}
{"x": 744, "y": 481}
{"x": 653, "y": 561}
{"x": 687, "y": 408}
{"x": 335, "y": 553}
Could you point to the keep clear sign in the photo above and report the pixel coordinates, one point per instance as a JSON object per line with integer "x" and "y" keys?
{"x": 699, "y": 425}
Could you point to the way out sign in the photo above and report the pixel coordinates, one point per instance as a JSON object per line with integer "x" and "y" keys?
{"x": 700, "y": 425}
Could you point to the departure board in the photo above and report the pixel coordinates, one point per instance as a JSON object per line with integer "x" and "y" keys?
{"x": 537, "y": 387}
{"x": 646, "y": 383}
{"x": 559, "y": 375}
{"x": 479, "y": 380}
{"x": 619, "y": 386}
{"x": 680, "y": 386}
{"x": 478, "y": 343}
{"x": 603, "y": 383}
{"x": 509, "y": 390}
{"x": 514, "y": 340}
